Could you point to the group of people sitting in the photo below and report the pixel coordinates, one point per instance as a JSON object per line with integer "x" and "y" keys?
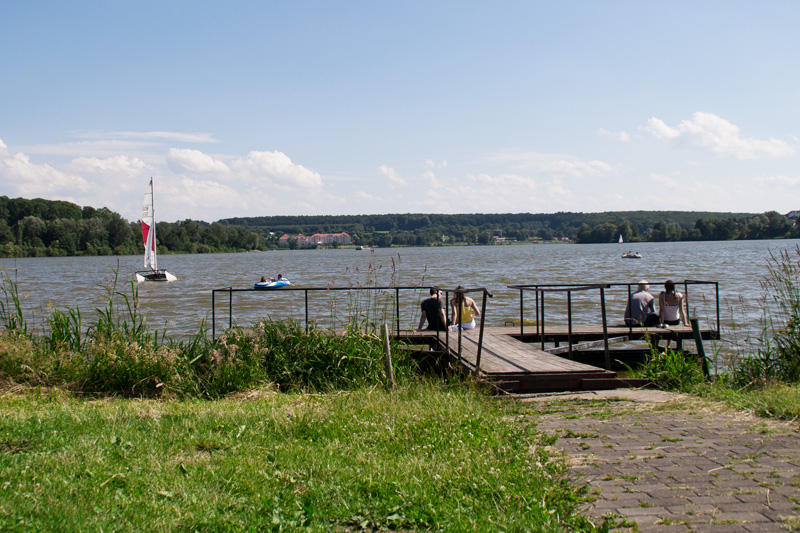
{"x": 640, "y": 310}
{"x": 463, "y": 311}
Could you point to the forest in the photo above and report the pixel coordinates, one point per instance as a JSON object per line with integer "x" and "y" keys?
{"x": 38, "y": 228}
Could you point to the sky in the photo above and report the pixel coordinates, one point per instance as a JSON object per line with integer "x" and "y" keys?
{"x": 369, "y": 107}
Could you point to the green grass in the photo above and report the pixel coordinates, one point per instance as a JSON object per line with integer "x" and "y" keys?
{"x": 768, "y": 400}
{"x": 428, "y": 457}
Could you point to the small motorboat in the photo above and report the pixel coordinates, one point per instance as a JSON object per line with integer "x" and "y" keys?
{"x": 631, "y": 255}
{"x": 277, "y": 284}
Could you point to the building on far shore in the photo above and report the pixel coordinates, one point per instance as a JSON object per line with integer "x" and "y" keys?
{"x": 317, "y": 238}
{"x": 793, "y": 216}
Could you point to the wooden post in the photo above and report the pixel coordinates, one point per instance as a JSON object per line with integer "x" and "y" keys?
{"x": 698, "y": 342}
{"x": 387, "y": 360}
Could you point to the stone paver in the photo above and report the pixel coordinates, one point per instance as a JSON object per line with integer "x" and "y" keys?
{"x": 667, "y": 466}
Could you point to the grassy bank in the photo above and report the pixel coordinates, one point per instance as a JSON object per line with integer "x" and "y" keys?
{"x": 429, "y": 457}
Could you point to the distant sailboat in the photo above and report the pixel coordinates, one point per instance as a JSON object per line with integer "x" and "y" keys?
{"x": 620, "y": 239}
{"x": 153, "y": 273}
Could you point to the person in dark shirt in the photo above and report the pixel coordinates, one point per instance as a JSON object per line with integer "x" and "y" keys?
{"x": 433, "y": 310}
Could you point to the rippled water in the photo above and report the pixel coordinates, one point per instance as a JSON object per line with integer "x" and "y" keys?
{"x": 738, "y": 266}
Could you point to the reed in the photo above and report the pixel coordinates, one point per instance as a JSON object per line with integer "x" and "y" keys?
{"x": 120, "y": 354}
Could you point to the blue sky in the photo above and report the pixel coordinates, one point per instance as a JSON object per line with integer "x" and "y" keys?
{"x": 267, "y": 108}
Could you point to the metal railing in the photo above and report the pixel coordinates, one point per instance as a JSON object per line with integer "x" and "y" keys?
{"x": 396, "y": 318}
{"x": 541, "y": 289}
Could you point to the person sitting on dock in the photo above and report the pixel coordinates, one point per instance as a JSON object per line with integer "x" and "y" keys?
{"x": 464, "y": 310}
{"x": 671, "y": 306}
{"x": 640, "y": 310}
{"x": 433, "y": 311}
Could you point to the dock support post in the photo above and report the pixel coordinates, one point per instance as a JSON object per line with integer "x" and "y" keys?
{"x": 698, "y": 342}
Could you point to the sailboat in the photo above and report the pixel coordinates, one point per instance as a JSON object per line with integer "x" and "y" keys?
{"x": 620, "y": 239}
{"x": 153, "y": 273}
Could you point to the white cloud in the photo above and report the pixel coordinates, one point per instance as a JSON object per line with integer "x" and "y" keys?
{"x": 433, "y": 164}
{"x": 118, "y": 165}
{"x": 30, "y": 180}
{"x": 708, "y": 132}
{"x": 553, "y": 164}
{"x": 390, "y": 173}
{"x": 622, "y": 136}
{"x": 430, "y": 177}
{"x": 175, "y": 136}
{"x": 275, "y": 169}
{"x": 182, "y": 160}
{"x": 106, "y": 148}
{"x": 789, "y": 181}
{"x": 666, "y": 181}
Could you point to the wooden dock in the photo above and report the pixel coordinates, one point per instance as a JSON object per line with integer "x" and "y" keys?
{"x": 513, "y": 366}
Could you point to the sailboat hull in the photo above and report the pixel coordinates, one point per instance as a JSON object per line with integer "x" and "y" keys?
{"x": 154, "y": 275}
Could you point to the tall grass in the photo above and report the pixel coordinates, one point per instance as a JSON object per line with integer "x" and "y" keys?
{"x": 118, "y": 353}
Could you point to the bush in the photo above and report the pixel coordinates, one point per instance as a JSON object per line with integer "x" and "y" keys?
{"x": 671, "y": 370}
{"x": 282, "y": 353}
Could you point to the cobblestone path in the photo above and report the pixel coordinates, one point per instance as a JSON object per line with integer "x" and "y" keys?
{"x": 674, "y": 466}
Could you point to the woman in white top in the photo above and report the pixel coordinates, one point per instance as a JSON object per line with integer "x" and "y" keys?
{"x": 671, "y": 306}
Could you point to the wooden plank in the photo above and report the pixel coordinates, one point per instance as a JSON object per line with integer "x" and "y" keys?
{"x": 504, "y": 354}
{"x": 586, "y": 345}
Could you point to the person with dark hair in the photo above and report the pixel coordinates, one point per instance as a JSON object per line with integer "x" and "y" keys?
{"x": 464, "y": 310}
{"x": 433, "y": 312}
{"x": 671, "y": 306}
{"x": 640, "y": 310}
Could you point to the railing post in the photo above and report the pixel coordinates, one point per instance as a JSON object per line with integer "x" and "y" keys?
{"x": 569, "y": 322}
{"x": 521, "y": 316}
{"x": 605, "y": 325}
{"x": 230, "y": 307}
{"x": 480, "y": 335}
{"x": 628, "y": 306}
{"x": 305, "y": 292}
{"x": 719, "y": 330}
{"x": 397, "y": 308}
{"x": 542, "y": 319}
{"x": 213, "y": 316}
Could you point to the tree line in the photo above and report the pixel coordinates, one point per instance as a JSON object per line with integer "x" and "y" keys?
{"x": 35, "y": 228}
{"x": 38, "y": 228}
{"x": 606, "y": 227}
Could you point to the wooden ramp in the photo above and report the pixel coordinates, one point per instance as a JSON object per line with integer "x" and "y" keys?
{"x": 513, "y": 366}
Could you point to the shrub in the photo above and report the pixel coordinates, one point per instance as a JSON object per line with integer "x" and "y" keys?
{"x": 117, "y": 366}
{"x": 282, "y": 353}
{"x": 671, "y": 370}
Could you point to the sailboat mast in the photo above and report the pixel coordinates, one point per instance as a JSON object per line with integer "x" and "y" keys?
{"x": 153, "y": 229}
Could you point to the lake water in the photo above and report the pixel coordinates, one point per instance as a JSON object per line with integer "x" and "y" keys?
{"x": 738, "y": 266}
